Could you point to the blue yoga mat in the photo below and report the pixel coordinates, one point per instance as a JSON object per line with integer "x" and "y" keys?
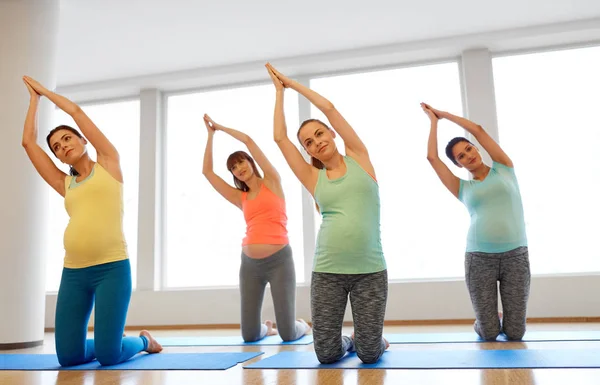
{"x": 160, "y": 361}
{"x": 230, "y": 341}
{"x": 533, "y": 336}
{"x": 442, "y": 359}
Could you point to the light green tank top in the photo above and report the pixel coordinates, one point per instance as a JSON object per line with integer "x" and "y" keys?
{"x": 349, "y": 239}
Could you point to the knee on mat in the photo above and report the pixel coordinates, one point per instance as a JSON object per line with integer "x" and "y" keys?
{"x": 66, "y": 359}
{"x": 369, "y": 356}
{"x": 489, "y": 334}
{"x": 108, "y": 358}
{"x": 251, "y": 334}
{"x": 327, "y": 358}
{"x": 514, "y": 334}
{"x": 287, "y": 335}
{"x": 250, "y": 337}
{"x": 287, "y": 338}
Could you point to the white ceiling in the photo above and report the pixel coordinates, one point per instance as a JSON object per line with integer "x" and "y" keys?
{"x": 111, "y": 39}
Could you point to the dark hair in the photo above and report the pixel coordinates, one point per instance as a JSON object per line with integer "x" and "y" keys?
{"x": 451, "y": 145}
{"x": 235, "y": 158}
{"x": 72, "y": 171}
{"x": 314, "y": 161}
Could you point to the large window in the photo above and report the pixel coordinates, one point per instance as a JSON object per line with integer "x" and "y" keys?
{"x": 423, "y": 226}
{"x": 120, "y": 122}
{"x": 547, "y": 114}
{"x": 203, "y": 231}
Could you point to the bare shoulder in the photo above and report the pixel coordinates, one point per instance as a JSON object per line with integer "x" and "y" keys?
{"x": 275, "y": 186}
{"x": 113, "y": 167}
{"x": 364, "y": 162}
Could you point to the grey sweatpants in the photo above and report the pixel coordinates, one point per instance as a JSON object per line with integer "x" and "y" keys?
{"x": 368, "y": 297}
{"x": 511, "y": 269}
{"x": 277, "y": 270}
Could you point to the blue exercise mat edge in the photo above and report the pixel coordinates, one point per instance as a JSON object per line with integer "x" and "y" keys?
{"x": 160, "y": 361}
{"x": 442, "y": 359}
{"x": 472, "y": 337}
{"x": 230, "y": 341}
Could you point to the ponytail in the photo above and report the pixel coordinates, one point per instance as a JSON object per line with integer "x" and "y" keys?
{"x": 316, "y": 163}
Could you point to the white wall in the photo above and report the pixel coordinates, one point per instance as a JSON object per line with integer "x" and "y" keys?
{"x": 556, "y": 296}
{"x": 28, "y": 40}
{"x": 574, "y": 296}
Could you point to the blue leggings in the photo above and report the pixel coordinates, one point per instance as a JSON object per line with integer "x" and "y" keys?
{"x": 109, "y": 285}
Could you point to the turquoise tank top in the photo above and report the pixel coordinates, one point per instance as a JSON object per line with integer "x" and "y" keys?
{"x": 497, "y": 219}
{"x": 349, "y": 239}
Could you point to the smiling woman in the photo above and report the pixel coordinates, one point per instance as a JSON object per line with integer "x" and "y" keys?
{"x": 266, "y": 253}
{"x": 203, "y": 231}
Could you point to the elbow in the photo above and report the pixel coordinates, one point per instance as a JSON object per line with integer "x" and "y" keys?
{"x": 477, "y": 129}
{"x": 278, "y": 138}
{"x": 74, "y": 110}
{"x": 328, "y": 107}
{"x": 432, "y": 158}
{"x": 247, "y": 140}
{"x": 27, "y": 143}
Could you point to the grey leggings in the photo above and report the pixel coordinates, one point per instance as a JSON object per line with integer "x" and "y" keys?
{"x": 368, "y": 297}
{"x": 511, "y": 269}
{"x": 277, "y": 270}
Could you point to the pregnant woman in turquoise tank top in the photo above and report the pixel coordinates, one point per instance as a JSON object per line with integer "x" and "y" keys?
{"x": 349, "y": 259}
{"x": 496, "y": 241}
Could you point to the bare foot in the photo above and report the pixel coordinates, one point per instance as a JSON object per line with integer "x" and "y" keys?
{"x": 271, "y": 331}
{"x": 308, "y": 328}
{"x": 153, "y": 345}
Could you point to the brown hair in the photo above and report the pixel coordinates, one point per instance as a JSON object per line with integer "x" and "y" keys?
{"x": 72, "y": 171}
{"x": 314, "y": 161}
{"x": 235, "y": 158}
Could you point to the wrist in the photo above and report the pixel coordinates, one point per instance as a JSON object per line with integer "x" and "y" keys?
{"x": 292, "y": 84}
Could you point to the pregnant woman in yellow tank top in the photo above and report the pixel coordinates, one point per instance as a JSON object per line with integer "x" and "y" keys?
{"x": 96, "y": 265}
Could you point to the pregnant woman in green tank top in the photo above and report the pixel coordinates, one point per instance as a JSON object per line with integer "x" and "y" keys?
{"x": 348, "y": 258}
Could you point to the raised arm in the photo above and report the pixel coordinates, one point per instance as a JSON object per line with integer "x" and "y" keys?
{"x": 255, "y": 151}
{"x": 354, "y": 145}
{"x": 486, "y": 141}
{"x": 233, "y": 195}
{"x": 108, "y": 155}
{"x": 451, "y": 181}
{"x": 306, "y": 173}
{"x": 40, "y": 159}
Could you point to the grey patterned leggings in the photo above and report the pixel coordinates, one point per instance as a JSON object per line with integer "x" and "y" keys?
{"x": 368, "y": 298}
{"x": 511, "y": 269}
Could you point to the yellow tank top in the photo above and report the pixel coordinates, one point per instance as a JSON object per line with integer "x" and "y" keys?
{"x": 94, "y": 234}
